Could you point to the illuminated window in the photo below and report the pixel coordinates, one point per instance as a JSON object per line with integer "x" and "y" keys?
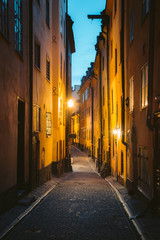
{"x": 47, "y": 69}
{"x": 131, "y": 94}
{"x": 36, "y": 117}
{"x": 18, "y": 25}
{"x": 4, "y": 28}
{"x": 132, "y": 26}
{"x": 37, "y": 54}
{"x": 48, "y": 124}
{"x": 47, "y": 12}
{"x": 144, "y": 86}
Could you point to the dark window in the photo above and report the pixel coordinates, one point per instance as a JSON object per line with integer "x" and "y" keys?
{"x": 132, "y": 26}
{"x": 47, "y": 69}
{"x": 18, "y": 25}
{"x": 103, "y": 63}
{"x": 4, "y": 18}
{"x": 103, "y": 96}
{"x": 47, "y": 12}
{"x": 61, "y": 67}
{"x": 115, "y": 6}
{"x": 145, "y": 8}
{"x": 115, "y": 60}
{"x": 37, "y": 54}
{"x": 111, "y": 48}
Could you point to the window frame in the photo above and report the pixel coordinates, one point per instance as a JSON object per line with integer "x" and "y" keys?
{"x": 144, "y": 86}
{"x": 4, "y": 19}
{"x": 19, "y": 25}
{"x": 48, "y": 124}
{"x": 37, "y": 63}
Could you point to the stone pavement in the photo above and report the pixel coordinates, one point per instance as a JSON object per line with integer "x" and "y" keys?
{"x": 148, "y": 226}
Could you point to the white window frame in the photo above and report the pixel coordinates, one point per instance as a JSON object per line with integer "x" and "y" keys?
{"x": 144, "y": 86}
{"x": 131, "y": 94}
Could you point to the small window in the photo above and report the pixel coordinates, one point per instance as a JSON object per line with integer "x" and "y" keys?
{"x": 115, "y": 6}
{"x": 131, "y": 94}
{"x": 36, "y": 117}
{"x": 61, "y": 67}
{"x": 111, "y": 48}
{"x": 103, "y": 95}
{"x": 47, "y": 12}
{"x": 37, "y": 54}
{"x": 144, "y": 86}
{"x": 18, "y": 25}
{"x": 48, "y": 124}
{"x": 145, "y": 9}
{"x": 47, "y": 69}
{"x": 4, "y": 24}
{"x": 132, "y": 26}
{"x": 116, "y": 61}
{"x": 61, "y": 21}
{"x": 103, "y": 63}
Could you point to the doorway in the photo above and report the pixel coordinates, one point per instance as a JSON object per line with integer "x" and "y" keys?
{"x": 20, "y": 144}
{"x": 157, "y": 159}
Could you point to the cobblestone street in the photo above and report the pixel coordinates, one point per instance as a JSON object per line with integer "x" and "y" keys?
{"x": 81, "y": 206}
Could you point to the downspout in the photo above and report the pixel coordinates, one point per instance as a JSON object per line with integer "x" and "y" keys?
{"x": 151, "y": 63}
{"x": 100, "y": 91}
{"x": 31, "y": 87}
{"x": 92, "y": 119}
{"x": 123, "y": 76}
{"x": 108, "y": 96}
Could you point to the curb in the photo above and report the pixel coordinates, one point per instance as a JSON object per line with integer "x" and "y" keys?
{"x": 26, "y": 212}
{"x": 128, "y": 211}
{"x": 125, "y": 206}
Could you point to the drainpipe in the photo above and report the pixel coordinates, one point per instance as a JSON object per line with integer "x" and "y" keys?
{"x": 31, "y": 87}
{"x": 100, "y": 91}
{"x": 108, "y": 96}
{"x": 92, "y": 119}
{"x": 123, "y": 77}
{"x": 151, "y": 63}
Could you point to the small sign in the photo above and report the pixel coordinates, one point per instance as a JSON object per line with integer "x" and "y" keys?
{"x": 72, "y": 135}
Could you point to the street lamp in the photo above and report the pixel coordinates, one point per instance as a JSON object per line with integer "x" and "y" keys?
{"x": 70, "y": 103}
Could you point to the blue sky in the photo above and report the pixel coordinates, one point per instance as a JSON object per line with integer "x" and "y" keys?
{"x": 85, "y": 33}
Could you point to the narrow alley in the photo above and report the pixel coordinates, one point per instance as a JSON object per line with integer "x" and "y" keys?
{"x": 81, "y": 206}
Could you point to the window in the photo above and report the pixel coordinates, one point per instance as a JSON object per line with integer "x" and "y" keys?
{"x": 145, "y": 9}
{"x": 37, "y": 54}
{"x": 61, "y": 21}
{"x": 131, "y": 94}
{"x": 115, "y": 6}
{"x": 36, "y": 117}
{"x": 47, "y": 12}
{"x": 18, "y": 25}
{"x": 111, "y": 48}
{"x": 48, "y": 124}
{"x": 132, "y": 26}
{"x": 115, "y": 60}
{"x": 103, "y": 63}
{"x": 103, "y": 127}
{"x": 103, "y": 96}
{"x": 144, "y": 86}
{"x": 61, "y": 67}
{"x": 47, "y": 69}
{"x": 4, "y": 28}
{"x": 112, "y": 101}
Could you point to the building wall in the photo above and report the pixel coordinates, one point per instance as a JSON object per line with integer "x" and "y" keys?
{"x": 42, "y": 87}
{"x": 14, "y": 87}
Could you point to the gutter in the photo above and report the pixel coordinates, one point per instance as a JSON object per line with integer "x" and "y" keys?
{"x": 123, "y": 76}
{"x": 151, "y": 63}
{"x": 31, "y": 87}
